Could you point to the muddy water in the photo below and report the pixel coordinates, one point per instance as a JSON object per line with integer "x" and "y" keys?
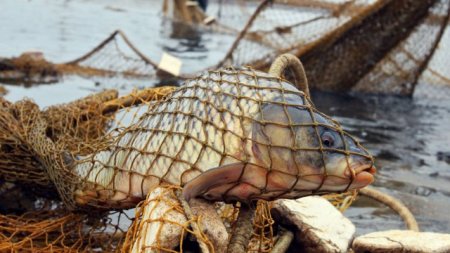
{"x": 404, "y": 134}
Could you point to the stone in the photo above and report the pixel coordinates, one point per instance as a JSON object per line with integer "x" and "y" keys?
{"x": 162, "y": 222}
{"x": 402, "y": 241}
{"x": 318, "y": 225}
{"x": 210, "y": 223}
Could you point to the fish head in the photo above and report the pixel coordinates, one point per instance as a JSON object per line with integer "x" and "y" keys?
{"x": 293, "y": 151}
{"x": 306, "y": 152}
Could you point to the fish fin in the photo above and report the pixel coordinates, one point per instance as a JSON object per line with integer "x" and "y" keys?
{"x": 221, "y": 175}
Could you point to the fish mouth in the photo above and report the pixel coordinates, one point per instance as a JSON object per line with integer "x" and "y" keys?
{"x": 361, "y": 176}
{"x": 354, "y": 176}
{"x": 365, "y": 168}
{"x": 368, "y": 168}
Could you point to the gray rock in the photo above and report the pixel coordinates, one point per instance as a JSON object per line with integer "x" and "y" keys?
{"x": 402, "y": 241}
{"x": 319, "y": 226}
{"x": 210, "y": 223}
{"x": 162, "y": 223}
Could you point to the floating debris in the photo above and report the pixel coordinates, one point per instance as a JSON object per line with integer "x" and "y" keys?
{"x": 161, "y": 223}
{"x": 30, "y": 67}
{"x": 210, "y": 224}
{"x": 443, "y": 156}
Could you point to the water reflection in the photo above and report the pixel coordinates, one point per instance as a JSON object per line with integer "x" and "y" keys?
{"x": 189, "y": 38}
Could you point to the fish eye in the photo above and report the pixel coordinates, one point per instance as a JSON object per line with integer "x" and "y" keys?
{"x": 327, "y": 139}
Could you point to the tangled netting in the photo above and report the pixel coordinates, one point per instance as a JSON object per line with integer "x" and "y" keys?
{"x": 241, "y": 121}
{"x": 382, "y": 46}
{"x": 159, "y": 148}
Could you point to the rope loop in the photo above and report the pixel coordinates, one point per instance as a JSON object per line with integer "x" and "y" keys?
{"x": 289, "y": 67}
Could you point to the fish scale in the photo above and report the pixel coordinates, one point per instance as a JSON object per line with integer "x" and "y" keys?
{"x": 231, "y": 135}
{"x": 202, "y": 125}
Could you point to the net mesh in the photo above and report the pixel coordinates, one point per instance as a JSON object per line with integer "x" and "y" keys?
{"x": 58, "y": 230}
{"x": 380, "y": 46}
{"x": 105, "y": 152}
{"x": 215, "y": 121}
{"x": 71, "y": 165}
{"x": 400, "y": 70}
{"x": 115, "y": 55}
{"x": 355, "y": 45}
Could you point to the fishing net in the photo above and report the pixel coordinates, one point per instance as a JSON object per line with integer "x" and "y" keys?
{"x": 58, "y": 230}
{"x": 209, "y": 122}
{"x": 29, "y": 68}
{"x": 71, "y": 175}
{"x": 412, "y": 63}
{"x": 383, "y": 47}
{"x": 105, "y": 152}
{"x": 380, "y": 46}
{"x": 115, "y": 55}
{"x": 33, "y": 217}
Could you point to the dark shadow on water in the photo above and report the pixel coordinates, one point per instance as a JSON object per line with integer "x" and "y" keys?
{"x": 190, "y": 38}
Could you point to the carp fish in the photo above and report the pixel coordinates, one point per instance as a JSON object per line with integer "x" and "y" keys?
{"x": 227, "y": 135}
